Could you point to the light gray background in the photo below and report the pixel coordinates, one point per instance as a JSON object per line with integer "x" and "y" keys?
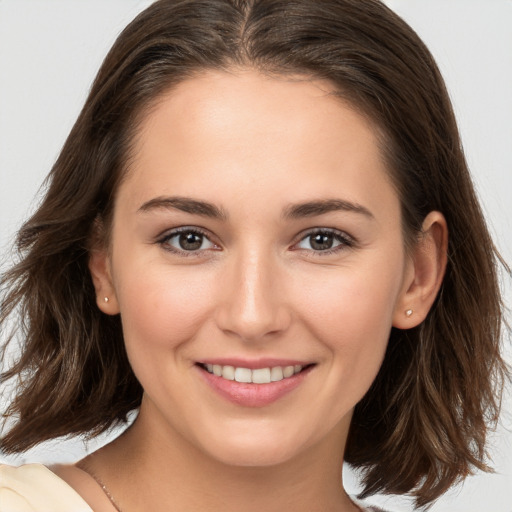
{"x": 51, "y": 49}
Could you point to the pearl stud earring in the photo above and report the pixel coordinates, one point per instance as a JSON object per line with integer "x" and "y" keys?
{"x": 106, "y": 299}
{"x": 409, "y": 312}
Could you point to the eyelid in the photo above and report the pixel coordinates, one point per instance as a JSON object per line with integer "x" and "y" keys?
{"x": 347, "y": 241}
{"x": 170, "y": 233}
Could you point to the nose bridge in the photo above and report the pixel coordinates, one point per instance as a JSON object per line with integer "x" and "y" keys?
{"x": 253, "y": 304}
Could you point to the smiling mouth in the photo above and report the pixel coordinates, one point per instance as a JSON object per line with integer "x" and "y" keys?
{"x": 254, "y": 376}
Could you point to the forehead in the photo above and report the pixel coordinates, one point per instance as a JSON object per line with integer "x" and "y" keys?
{"x": 213, "y": 102}
{"x": 267, "y": 133}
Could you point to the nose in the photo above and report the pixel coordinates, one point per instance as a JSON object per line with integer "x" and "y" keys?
{"x": 253, "y": 305}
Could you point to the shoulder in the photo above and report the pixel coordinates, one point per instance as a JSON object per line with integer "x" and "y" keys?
{"x": 365, "y": 508}
{"x": 371, "y": 509}
{"x": 34, "y": 488}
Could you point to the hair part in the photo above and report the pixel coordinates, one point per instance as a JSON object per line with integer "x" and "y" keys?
{"x": 423, "y": 424}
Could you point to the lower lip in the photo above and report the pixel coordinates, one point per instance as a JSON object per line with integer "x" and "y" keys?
{"x": 253, "y": 395}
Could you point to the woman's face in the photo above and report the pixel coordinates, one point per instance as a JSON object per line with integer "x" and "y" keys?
{"x": 257, "y": 235}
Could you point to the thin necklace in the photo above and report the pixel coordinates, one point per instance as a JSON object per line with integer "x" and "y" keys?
{"x": 108, "y": 494}
{"x": 104, "y": 488}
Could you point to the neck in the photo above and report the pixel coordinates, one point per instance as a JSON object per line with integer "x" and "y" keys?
{"x": 150, "y": 468}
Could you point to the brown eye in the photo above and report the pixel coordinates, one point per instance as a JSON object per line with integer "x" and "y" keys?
{"x": 190, "y": 241}
{"x": 186, "y": 240}
{"x": 325, "y": 240}
{"x": 321, "y": 241}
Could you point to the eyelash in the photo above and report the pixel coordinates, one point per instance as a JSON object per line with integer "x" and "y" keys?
{"x": 345, "y": 241}
{"x": 164, "y": 240}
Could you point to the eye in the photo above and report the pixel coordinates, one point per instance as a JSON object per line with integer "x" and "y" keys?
{"x": 325, "y": 240}
{"x": 187, "y": 240}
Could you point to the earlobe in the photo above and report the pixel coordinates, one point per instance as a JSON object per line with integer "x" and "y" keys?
{"x": 428, "y": 265}
{"x": 99, "y": 266}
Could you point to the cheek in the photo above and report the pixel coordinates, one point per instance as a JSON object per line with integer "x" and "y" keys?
{"x": 359, "y": 300}
{"x": 351, "y": 312}
{"x": 160, "y": 307}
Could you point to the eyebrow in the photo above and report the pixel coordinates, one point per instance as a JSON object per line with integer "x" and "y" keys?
{"x": 314, "y": 208}
{"x": 293, "y": 211}
{"x": 185, "y": 204}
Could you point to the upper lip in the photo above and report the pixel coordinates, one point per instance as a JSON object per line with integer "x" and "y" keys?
{"x": 253, "y": 364}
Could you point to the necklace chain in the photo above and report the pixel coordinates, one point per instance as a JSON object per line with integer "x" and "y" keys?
{"x": 104, "y": 488}
{"x": 108, "y": 494}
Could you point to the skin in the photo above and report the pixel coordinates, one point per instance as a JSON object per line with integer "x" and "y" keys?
{"x": 254, "y": 146}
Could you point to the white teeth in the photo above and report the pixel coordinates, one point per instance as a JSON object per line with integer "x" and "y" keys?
{"x": 288, "y": 371}
{"x": 276, "y": 374}
{"x": 257, "y": 376}
{"x": 261, "y": 376}
{"x": 243, "y": 375}
{"x": 228, "y": 372}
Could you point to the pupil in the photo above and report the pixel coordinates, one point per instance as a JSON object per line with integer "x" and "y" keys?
{"x": 190, "y": 241}
{"x": 321, "y": 241}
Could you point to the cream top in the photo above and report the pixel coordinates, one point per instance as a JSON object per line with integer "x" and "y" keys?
{"x": 34, "y": 488}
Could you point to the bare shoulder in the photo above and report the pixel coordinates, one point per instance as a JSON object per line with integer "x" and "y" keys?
{"x": 367, "y": 508}
{"x": 84, "y": 485}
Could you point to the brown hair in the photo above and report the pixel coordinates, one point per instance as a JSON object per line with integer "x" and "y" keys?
{"x": 422, "y": 425}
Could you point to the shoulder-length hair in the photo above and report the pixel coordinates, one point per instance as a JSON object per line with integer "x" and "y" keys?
{"x": 422, "y": 425}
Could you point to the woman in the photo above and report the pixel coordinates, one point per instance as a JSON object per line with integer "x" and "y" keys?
{"x": 261, "y": 234}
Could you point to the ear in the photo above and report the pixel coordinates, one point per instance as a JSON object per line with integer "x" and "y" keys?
{"x": 427, "y": 266}
{"x": 100, "y": 268}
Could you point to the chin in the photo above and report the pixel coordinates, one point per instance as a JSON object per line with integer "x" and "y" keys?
{"x": 254, "y": 457}
{"x": 256, "y": 448}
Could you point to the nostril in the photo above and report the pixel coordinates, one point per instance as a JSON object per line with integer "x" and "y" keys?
{"x": 253, "y": 324}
